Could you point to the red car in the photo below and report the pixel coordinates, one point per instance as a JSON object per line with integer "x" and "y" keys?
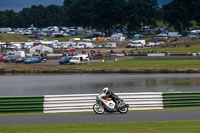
{"x": 1, "y": 57}
{"x": 70, "y": 50}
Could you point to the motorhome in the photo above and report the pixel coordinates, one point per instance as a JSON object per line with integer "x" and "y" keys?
{"x": 79, "y": 59}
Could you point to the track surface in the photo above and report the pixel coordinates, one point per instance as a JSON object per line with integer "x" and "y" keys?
{"x": 106, "y": 118}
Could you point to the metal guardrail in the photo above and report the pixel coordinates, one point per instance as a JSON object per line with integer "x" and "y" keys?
{"x": 85, "y": 102}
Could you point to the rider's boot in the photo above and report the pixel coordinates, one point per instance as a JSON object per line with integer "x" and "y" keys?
{"x": 116, "y": 106}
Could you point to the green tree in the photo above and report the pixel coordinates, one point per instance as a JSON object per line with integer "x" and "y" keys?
{"x": 80, "y": 13}
{"x": 195, "y": 10}
{"x": 141, "y": 13}
{"x": 9, "y": 18}
{"x": 108, "y": 14}
{"x": 178, "y": 14}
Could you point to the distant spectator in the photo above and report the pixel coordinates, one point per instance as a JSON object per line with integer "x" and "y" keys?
{"x": 198, "y": 53}
{"x": 189, "y": 53}
{"x": 131, "y": 51}
{"x": 124, "y": 52}
{"x": 187, "y": 45}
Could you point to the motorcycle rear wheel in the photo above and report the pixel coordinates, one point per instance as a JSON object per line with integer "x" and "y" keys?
{"x": 98, "y": 109}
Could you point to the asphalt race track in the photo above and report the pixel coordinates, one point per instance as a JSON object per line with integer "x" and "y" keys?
{"x": 94, "y": 118}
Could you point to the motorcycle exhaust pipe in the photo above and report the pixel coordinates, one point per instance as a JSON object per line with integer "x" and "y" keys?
{"x": 125, "y": 106}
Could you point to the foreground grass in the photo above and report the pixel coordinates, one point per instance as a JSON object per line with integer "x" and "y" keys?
{"x": 144, "y": 127}
{"x": 144, "y": 65}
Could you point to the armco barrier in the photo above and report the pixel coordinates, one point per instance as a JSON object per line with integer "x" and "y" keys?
{"x": 85, "y": 102}
{"x": 21, "y": 104}
{"x": 187, "y": 99}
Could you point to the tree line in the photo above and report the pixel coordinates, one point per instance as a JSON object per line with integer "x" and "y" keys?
{"x": 106, "y": 15}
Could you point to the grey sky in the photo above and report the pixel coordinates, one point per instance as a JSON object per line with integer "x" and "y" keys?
{"x": 18, "y": 5}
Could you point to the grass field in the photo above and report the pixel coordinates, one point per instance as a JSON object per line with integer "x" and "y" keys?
{"x": 13, "y": 38}
{"x": 143, "y": 127}
{"x": 194, "y": 47}
{"x": 144, "y": 65}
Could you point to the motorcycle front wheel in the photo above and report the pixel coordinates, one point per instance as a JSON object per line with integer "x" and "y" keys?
{"x": 122, "y": 110}
{"x": 98, "y": 109}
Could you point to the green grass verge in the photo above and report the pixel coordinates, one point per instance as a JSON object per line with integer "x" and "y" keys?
{"x": 143, "y": 127}
{"x": 143, "y": 65}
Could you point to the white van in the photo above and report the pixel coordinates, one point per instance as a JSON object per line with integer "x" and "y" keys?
{"x": 79, "y": 59}
{"x": 138, "y": 43}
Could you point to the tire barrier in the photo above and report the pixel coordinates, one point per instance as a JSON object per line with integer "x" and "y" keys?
{"x": 187, "y": 99}
{"x": 16, "y": 104}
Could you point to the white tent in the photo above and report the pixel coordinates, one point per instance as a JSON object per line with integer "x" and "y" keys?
{"x": 39, "y": 49}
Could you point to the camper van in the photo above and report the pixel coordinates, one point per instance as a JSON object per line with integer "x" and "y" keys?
{"x": 136, "y": 44}
{"x": 68, "y": 44}
{"x": 110, "y": 45}
{"x": 162, "y": 36}
{"x": 28, "y": 45}
{"x": 79, "y": 59}
{"x": 16, "y": 53}
{"x": 84, "y": 45}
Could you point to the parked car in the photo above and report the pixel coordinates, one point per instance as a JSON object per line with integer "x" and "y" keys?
{"x": 70, "y": 50}
{"x": 65, "y": 60}
{"x": 20, "y": 60}
{"x": 32, "y": 60}
{"x": 1, "y": 57}
{"x": 98, "y": 46}
{"x": 8, "y": 59}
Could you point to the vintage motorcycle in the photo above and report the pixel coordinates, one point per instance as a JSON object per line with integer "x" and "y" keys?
{"x": 107, "y": 104}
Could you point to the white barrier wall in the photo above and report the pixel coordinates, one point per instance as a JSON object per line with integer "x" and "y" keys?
{"x": 85, "y": 102}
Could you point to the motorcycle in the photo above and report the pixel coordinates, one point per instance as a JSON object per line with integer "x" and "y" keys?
{"x": 107, "y": 104}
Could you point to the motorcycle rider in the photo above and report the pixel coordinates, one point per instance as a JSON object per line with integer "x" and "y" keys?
{"x": 111, "y": 95}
